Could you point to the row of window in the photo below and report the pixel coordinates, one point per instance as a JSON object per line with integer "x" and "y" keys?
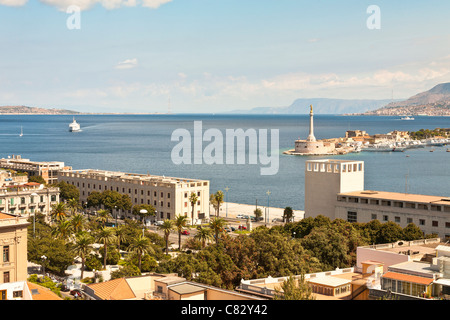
{"x": 352, "y": 216}
{"x": 24, "y": 201}
{"x": 396, "y": 204}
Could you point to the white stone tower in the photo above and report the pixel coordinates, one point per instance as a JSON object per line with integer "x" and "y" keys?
{"x": 311, "y": 137}
{"x": 324, "y": 179}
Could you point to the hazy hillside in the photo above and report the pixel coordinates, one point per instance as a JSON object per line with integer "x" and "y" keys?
{"x": 434, "y": 102}
{"x": 321, "y": 106}
{"x": 33, "y": 110}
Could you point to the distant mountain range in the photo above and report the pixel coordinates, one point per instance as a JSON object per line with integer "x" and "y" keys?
{"x": 434, "y": 102}
{"x": 321, "y": 106}
{"x": 33, "y": 110}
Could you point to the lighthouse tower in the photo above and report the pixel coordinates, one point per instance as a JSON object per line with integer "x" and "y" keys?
{"x": 312, "y": 146}
{"x": 311, "y": 137}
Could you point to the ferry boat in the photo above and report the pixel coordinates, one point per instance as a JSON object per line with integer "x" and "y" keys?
{"x": 407, "y": 118}
{"x": 74, "y": 126}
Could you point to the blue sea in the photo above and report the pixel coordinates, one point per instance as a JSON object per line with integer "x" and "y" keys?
{"x": 142, "y": 144}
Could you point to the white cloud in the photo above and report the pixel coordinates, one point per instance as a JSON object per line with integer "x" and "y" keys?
{"x": 154, "y": 4}
{"x": 13, "y": 3}
{"x": 127, "y": 64}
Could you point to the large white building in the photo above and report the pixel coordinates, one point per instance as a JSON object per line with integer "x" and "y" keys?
{"x": 169, "y": 196}
{"x": 335, "y": 188}
{"x": 46, "y": 169}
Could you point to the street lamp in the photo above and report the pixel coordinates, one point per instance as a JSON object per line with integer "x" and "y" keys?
{"x": 268, "y": 195}
{"x": 143, "y": 211}
{"x": 44, "y": 259}
{"x": 34, "y": 194}
{"x": 115, "y": 211}
{"x": 226, "y": 199}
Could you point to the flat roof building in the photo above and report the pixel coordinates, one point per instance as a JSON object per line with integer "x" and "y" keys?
{"x": 46, "y": 169}
{"x": 168, "y": 195}
{"x": 335, "y": 189}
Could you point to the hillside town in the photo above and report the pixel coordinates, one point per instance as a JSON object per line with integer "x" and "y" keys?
{"x": 99, "y": 235}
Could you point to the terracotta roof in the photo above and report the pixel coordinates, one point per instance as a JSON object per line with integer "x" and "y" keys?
{"x": 385, "y": 195}
{"x": 41, "y": 293}
{"x": 117, "y": 289}
{"x": 6, "y": 216}
{"x": 408, "y": 278}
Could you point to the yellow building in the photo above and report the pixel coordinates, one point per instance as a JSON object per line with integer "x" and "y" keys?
{"x": 13, "y": 247}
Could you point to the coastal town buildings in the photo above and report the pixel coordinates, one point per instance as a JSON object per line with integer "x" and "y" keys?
{"x": 155, "y": 286}
{"x": 404, "y": 270}
{"x": 48, "y": 170}
{"x": 335, "y": 188}
{"x": 28, "y": 198}
{"x": 168, "y": 195}
{"x": 13, "y": 248}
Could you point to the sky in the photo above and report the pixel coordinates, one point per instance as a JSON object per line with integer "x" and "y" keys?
{"x": 208, "y": 56}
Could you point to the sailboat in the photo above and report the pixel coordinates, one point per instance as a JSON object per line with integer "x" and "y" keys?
{"x": 21, "y": 132}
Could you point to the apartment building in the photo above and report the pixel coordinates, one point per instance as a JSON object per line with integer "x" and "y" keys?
{"x": 13, "y": 248}
{"x": 28, "y": 198}
{"x": 46, "y": 169}
{"x": 335, "y": 188}
{"x": 169, "y": 196}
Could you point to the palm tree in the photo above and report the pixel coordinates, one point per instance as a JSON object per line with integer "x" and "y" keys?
{"x": 180, "y": 223}
{"x": 203, "y": 234}
{"x": 73, "y": 205}
{"x": 217, "y": 226}
{"x": 78, "y": 222}
{"x": 82, "y": 247}
{"x": 62, "y": 230}
{"x": 288, "y": 214}
{"x": 167, "y": 227}
{"x": 140, "y": 245}
{"x": 105, "y": 236}
{"x": 59, "y": 211}
{"x": 121, "y": 235}
{"x": 193, "y": 200}
{"x": 103, "y": 216}
{"x": 216, "y": 200}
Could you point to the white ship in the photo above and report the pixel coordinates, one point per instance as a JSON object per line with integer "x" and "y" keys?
{"x": 74, "y": 126}
{"x": 407, "y": 118}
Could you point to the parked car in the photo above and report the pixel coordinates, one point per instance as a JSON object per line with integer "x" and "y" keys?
{"x": 277, "y": 220}
{"x": 185, "y": 232}
{"x": 76, "y": 293}
{"x": 240, "y": 216}
{"x": 233, "y": 228}
{"x": 227, "y": 229}
{"x": 242, "y": 227}
{"x": 159, "y": 223}
{"x": 257, "y": 219}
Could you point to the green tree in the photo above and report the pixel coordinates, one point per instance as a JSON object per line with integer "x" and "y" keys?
{"x": 288, "y": 214}
{"x": 82, "y": 247}
{"x": 68, "y": 191}
{"x": 193, "y": 198}
{"x": 389, "y": 232}
{"x": 258, "y": 212}
{"x": 180, "y": 224}
{"x": 216, "y": 200}
{"x": 217, "y": 226}
{"x": 105, "y": 236}
{"x": 78, "y": 222}
{"x": 94, "y": 199}
{"x": 140, "y": 245}
{"x": 294, "y": 289}
{"x": 412, "y": 232}
{"x": 204, "y": 235}
{"x": 167, "y": 227}
{"x": 103, "y": 216}
{"x": 73, "y": 206}
{"x": 59, "y": 211}
{"x": 62, "y": 230}
{"x": 37, "y": 179}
